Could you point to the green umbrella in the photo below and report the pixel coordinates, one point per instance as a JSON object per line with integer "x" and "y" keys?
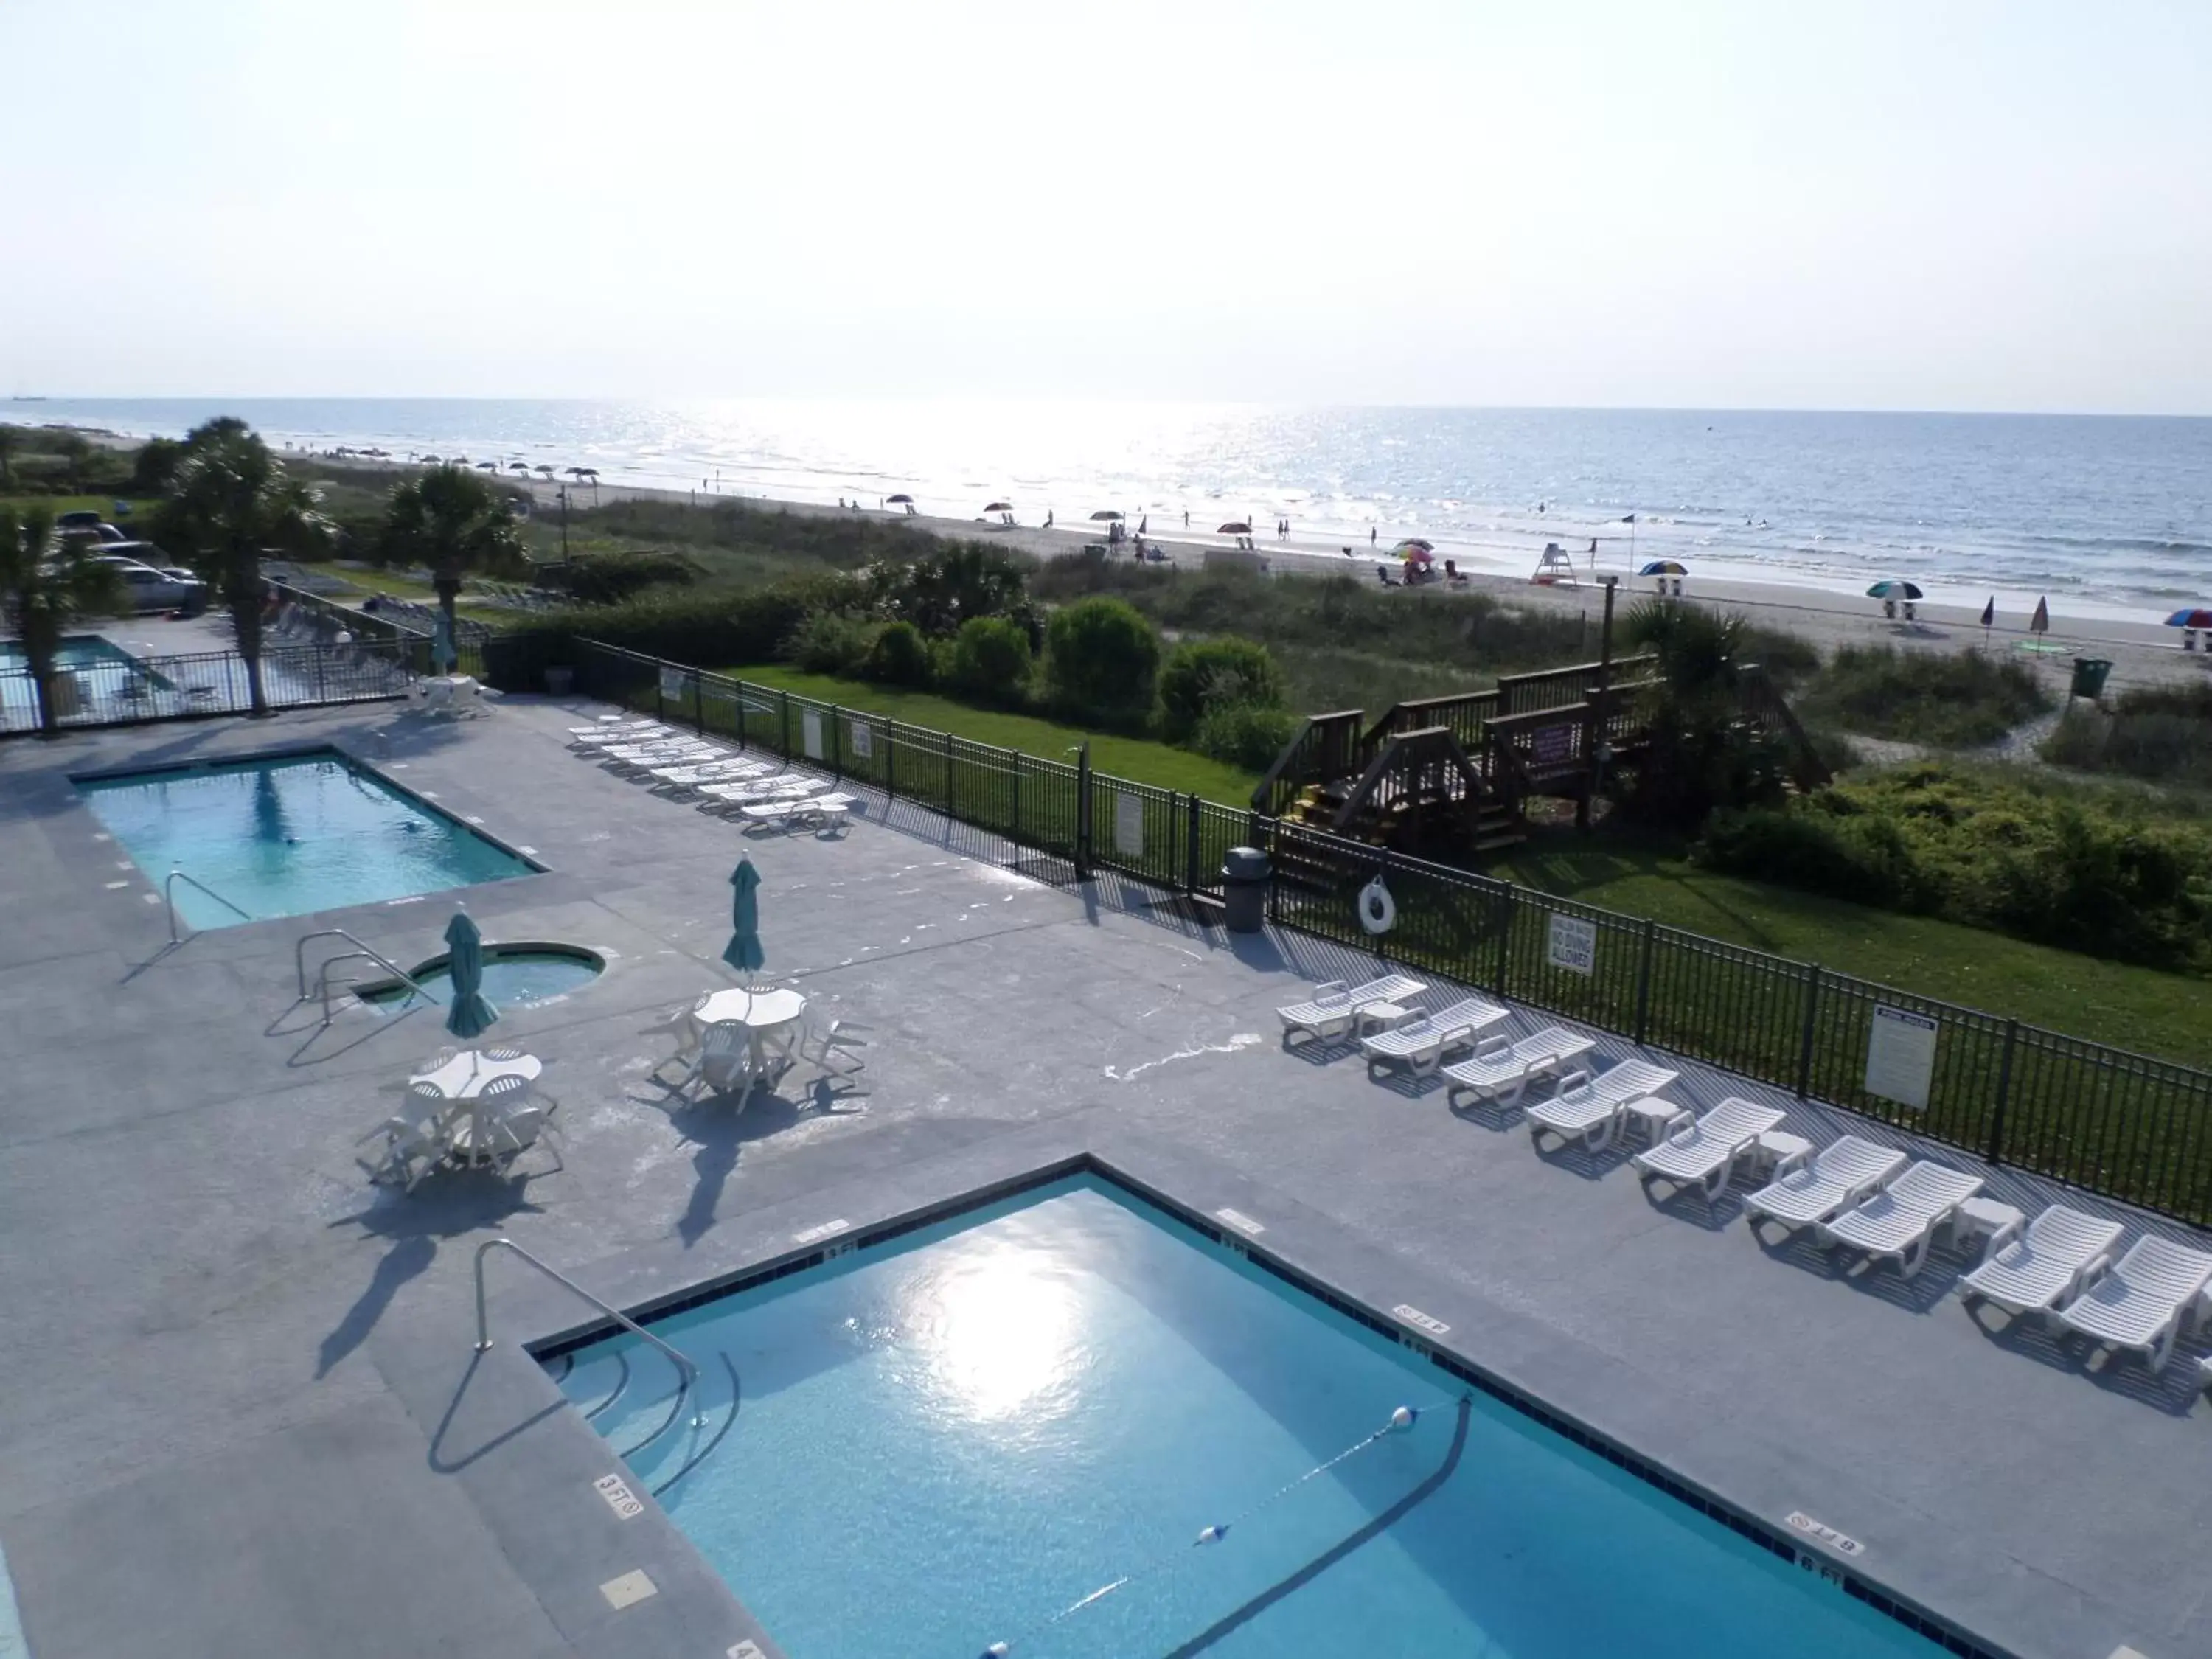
{"x": 442, "y": 655}
{"x": 472, "y": 1013}
{"x": 744, "y": 951}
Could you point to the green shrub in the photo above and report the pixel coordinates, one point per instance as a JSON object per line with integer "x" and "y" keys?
{"x": 1244, "y": 734}
{"x": 2162, "y": 732}
{"x": 2095, "y": 873}
{"x": 899, "y": 656}
{"x": 610, "y": 578}
{"x": 952, "y": 585}
{"x": 1950, "y": 700}
{"x": 698, "y": 626}
{"x": 1102, "y": 662}
{"x": 990, "y": 659}
{"x": 831, "y": 642}
{"x": 1202, "y": 676}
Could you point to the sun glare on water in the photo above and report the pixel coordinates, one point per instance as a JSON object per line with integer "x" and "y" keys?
{"x": 996, "y": 1329}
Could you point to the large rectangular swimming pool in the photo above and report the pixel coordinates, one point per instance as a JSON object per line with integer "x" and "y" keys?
{"x": 286, "y": 835}
{"x": 1018, "y": 1427}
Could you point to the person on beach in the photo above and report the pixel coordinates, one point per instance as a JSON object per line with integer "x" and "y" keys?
{"x": 1047, "y": 518}
{"x": 1370, "y": 535}
{"x": 1186, "y": 517}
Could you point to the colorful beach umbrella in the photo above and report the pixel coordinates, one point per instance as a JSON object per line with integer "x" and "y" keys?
{"x": 471, "y": 1014}
{"x": 744, "y": 951}
{"x": 1663, "y": 568}
{"x": 1893, "y": 590}
{"x": 1420, "y": 542}
{"x": 2191, "y": 618}
{"x": 1414, "y": 555}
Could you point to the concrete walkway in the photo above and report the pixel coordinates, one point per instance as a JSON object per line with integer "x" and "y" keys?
{"x": 244, "y": 1415}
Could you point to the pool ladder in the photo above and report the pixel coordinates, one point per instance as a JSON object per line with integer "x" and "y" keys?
{"x": 169, "y": 898}
{"x": 359, "y": 953}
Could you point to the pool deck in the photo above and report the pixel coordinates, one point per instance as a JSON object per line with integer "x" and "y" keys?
{"x": 245, "y": 1417}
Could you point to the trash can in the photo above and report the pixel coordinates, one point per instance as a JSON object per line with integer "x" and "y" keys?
{"x": 560, "y": 682}
{"x": 2089, "y": 678}
{"x": 1244, "y": 875}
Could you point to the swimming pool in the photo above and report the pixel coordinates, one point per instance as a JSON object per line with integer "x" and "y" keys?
{"x": 1016, "y": 1425}
{"x": 286, "y": 835}
{"x": 77, "y": 651}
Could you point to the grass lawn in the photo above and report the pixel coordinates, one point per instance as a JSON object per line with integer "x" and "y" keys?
{"x": 363, "y": 583}
{"x": 2131, "y": 1007}
{"x": 134, "y": 522}
{"x": 1134, "y": 758}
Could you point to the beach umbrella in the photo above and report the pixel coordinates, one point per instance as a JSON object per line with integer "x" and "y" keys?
{"x": 1142, "y": 522}
{"x": 1102, "y": 514}
{"x": 1663, "y": 568}
{"x": 744, "y": 951}
{"x": 2190, "y": 618}
{"x": 999, "y": 506}
{"x": 2040, "y": 622}
{"x": 471, "y": 1014}
{"x": 431, "y": 460}
{"x": 518, "y": 466}
{"x": 458, "y": 460}
{"x": 546, "y": 467}
{"x": 900, "y": 501}
{"x": 1420, "y": 542}
{"x": 1893, "y": 590}
{"x": 487, "y": 467}
{"x": 1414, "y": 555}
{"x": 1234, "y": 527}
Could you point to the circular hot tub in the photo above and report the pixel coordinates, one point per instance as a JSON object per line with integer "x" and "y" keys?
{"x": 528, "y": 974}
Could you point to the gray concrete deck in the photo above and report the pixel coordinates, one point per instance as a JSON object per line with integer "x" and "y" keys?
{"x": 245, "y": 1417}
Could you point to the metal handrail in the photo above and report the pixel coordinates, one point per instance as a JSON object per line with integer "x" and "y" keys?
{"x": 169, "y": 897}
{"x": 685, "y": 1367}
{"x": 299, "y": 962}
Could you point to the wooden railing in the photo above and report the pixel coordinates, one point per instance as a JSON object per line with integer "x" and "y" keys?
{"x": 1462, "y": 714}
{"x": 1555, "y": 687}
{"x": 1326, "y": 748}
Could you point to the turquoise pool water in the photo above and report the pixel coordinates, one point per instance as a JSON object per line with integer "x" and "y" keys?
{"x": 514, "y": 976}
{"x": 288, "y": 835}
{"x": 77, "y": 651}
{"x": 955, "y": 1441}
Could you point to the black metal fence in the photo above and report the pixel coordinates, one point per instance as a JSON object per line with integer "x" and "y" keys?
{"x": 2121, "y": 1124}
{"x": 120, "y": 690}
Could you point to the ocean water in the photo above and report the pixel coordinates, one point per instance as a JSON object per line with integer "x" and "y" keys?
{"x": 2112, "y": 514}
{"x": 1016, "y": 1426}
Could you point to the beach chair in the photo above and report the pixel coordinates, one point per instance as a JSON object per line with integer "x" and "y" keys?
{"x": 1901, "y": 1220}
{"x": 2032, "y": 1271}
{"x": 2145, "y": 1302}
{"x": 1500, "y": 1072}
{"x": 795, "y": 809}
{"x": 722, "y": 1061}
{"x": 638, "y": 763}
{"x": 1704, "y": 1152}
{"x": 1333, "y": 1009}
{"x": 414, "y": 1142}
{"x": 1808, "y": 1189}
{"x": 1421, "y": 1044}
{"x": 829, "y": 1044}
{"x": 583, "y": 738}
{"x": 1589, "y": 1109}
{"x": 677, "y": 782}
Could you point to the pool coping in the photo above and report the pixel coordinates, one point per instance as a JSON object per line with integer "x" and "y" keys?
{"x": 368, "y": 989}
{"x": 1712, "y": 1462}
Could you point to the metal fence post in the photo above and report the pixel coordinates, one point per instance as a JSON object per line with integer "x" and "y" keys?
{"x": 1190, "y": 850}
{"x": 1083, "y": 812}
{"x": 1643, "y": 982}
{"x": 1805, "y": 1039}
{"x": 836, "y": 745}
{"x": 660, "y": 701}
{"x": 949, "y": 813}
{"x": 1510, "y": 901}
{"x": 890, "y": 760}
{"x": 783, "y": 727}
{"x": 699, "y": 700}
{"x": 1014, "y": 765}
{"x": 1995, "y": 1153}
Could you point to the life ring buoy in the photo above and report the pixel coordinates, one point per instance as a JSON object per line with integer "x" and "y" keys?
{"x": 1379, "y": 911}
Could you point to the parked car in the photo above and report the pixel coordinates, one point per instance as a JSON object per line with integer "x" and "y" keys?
{"x": 85, "y": 522}
{"x": 152, "y": 587}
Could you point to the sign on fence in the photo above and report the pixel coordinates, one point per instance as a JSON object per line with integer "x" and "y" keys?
{"x": 1572, "y": 944}
{"x": 672, "y": 687}
{"x": 1553, "y": 745}
{"x": 863, "y": 743}
{"x": 809, "y": 728}
{"x": 1130, "y": 825}
{"x": 1901, "y": 1056}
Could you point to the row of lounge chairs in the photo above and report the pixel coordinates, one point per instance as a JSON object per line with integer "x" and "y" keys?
{"x": 683, "y": 766}
{"x": 1851, "y": 1194}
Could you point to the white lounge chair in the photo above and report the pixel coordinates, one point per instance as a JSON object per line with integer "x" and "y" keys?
{"x": 796, "y": 809}
{"x": 2032, "y": 1271}
{"x": 1421, "y": 1044}
{"x": 608, "y": 723}
{"x": 1500, "y": 1072}
{"x": 1808, "y": 1189}
{"x": 752, "y": 791}
{"x": 1704, "y": 1152}
{"x": 638, "y": 763}
{"x": 2149, "y": 1297}
{"x": 1903, "y": 1218}
{"x": 1333, "y": 1009}
{"x": 613, "y": 737}
{"x": 730, "y": 769}
{"x": 1589, "y": 1108}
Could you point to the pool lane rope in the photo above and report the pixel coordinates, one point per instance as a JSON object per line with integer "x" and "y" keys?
{"x": 1401, "y": 1422}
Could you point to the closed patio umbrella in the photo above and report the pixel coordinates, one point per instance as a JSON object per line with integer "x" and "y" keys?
{"x": 442, "y": 654}
{"x": 744, "y": 951}
{"x": 471, "y": 1014}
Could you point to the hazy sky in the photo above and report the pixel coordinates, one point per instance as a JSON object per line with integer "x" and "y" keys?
{"x": 1780, "y": 203}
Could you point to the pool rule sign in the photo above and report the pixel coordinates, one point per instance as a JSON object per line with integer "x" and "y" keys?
{"x": 1901, "y": 1056}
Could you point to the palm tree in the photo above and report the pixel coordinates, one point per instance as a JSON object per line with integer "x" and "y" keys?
{"x": 1704, "y": 751}
{"x": 453, "y": 521}
{"x": 230, "y": 501}
{"x": 49, "y": 584}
